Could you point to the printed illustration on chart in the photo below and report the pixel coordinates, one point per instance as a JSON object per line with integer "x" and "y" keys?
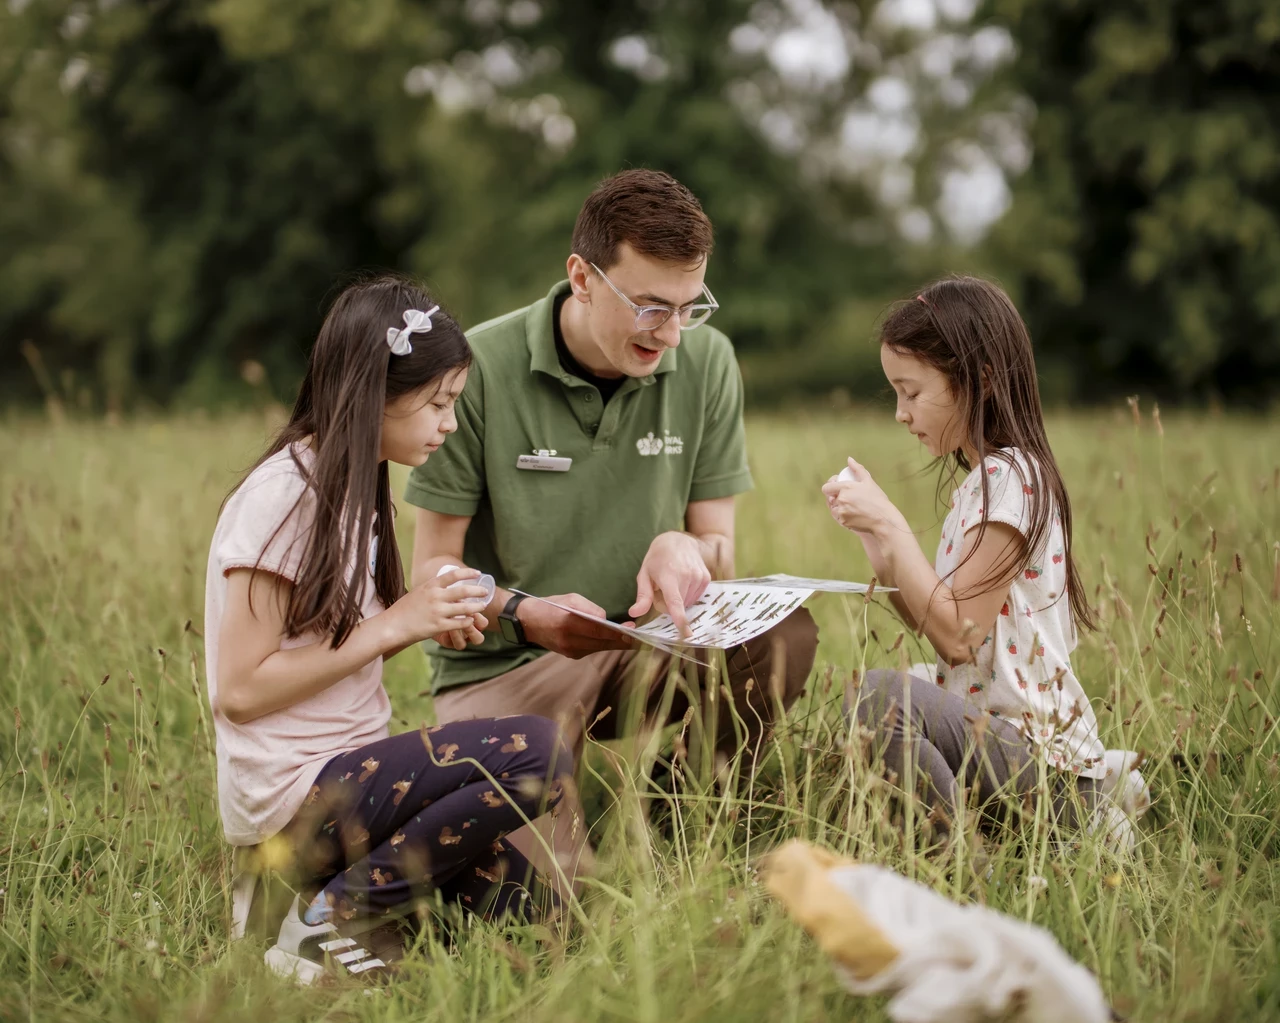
{"x": 728, "y": 614}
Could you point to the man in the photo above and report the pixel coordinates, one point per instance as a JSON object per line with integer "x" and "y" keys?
{"x": 599, "y": 448}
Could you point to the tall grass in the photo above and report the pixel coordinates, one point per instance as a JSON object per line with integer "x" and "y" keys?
{"x": 113, "y": 872}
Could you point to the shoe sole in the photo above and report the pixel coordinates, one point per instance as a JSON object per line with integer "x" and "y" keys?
{"x": 306, "y": 971}
{"x": 293, "y": 967}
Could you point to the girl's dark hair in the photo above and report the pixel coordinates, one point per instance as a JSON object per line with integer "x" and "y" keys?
{"x": 351, "y": 375}
{"x": 968, "y": 329}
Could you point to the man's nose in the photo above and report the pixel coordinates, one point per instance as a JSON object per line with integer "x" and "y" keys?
{"x": 669, "y": 332}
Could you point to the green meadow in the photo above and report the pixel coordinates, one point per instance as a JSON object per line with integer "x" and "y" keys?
{"x": 114, "y": 898}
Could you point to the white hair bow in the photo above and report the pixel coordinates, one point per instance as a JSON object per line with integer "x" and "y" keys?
{"x": 415, "y": 322}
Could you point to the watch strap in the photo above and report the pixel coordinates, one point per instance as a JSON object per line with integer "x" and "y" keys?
{"x": 510, "y": 626}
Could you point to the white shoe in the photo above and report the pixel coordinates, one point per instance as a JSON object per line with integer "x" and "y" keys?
{"x": 306, "y": 953}
{"x": 1124, "y": 783}
{"x": 1126, "y": 797}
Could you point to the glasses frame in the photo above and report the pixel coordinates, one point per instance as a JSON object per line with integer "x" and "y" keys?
{"x": 711, "y": 305}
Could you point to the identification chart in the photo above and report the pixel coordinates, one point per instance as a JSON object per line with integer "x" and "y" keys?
{"x": 780, "y": 580}
{"x": 729, "y": 614}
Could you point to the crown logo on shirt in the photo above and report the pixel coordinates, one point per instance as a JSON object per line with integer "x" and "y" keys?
{"x": 649, "y": 445}
{"x": 668, "y": 443}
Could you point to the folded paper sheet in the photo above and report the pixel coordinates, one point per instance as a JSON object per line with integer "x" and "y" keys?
{"x": 729, "y": 614}
{"x": 940, "y": 962}
{"x": 780, "y": 579}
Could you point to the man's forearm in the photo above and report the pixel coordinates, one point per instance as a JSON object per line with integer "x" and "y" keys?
{"x": 717, "y": 554}
{"x": 429, "y": 568}
{"x": 496, "y": 607}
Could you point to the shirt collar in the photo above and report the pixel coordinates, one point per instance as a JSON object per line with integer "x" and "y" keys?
{"x": 540, "y": 336}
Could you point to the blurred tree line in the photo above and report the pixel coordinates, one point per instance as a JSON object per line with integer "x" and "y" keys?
{"x": 1145, "y": 237}
{"x": 184, "y": 184}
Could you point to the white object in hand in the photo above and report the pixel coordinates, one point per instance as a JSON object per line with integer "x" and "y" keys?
{"x": 485, "y": 580}
{"x": 846, "y": 475}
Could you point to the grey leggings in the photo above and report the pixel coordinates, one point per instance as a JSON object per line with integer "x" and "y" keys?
{"x": 941, "y": 737}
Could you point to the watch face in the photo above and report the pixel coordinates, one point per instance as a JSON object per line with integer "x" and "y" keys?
{"x": 508, "y": 626}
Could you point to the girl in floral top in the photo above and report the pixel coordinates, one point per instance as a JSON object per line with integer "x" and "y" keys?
{"x": 1002, "y": 601}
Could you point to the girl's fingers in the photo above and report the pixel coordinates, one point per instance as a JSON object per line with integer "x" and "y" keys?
{"x": 468, "y": 627}
{"x": 464, "y": 599}
{"x": 458, "y": 575}
{"x": 448, "y": 639}
{"x": 859, "y": 471}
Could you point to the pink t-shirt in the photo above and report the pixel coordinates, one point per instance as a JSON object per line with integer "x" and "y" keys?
{"x": 266, "y": 766}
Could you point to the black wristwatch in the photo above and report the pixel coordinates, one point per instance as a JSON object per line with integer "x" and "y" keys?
{"x": 509, "y": 625}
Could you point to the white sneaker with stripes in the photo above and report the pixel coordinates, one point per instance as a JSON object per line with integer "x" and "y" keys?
{"x": 306, "y": 953}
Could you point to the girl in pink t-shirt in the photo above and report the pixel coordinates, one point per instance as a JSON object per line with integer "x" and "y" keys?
{"x": 1002, "y": 599}
{"x": 305, "y": 596}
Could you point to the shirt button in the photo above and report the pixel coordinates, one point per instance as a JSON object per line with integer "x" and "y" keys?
{"x": 590, "y": 396}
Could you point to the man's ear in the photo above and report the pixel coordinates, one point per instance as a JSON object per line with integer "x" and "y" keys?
{"x": 579, "y": 271}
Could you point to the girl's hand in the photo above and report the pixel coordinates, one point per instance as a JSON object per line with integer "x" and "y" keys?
{"x": 457, "y": 639}
{"x": 860, "y": 505}
{"x": 432, "y": 609}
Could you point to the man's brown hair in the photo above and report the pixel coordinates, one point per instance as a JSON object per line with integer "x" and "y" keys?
{"x": 650, "y": 211}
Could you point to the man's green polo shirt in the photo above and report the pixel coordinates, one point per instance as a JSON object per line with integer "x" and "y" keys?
{"x": 662, "y": 441}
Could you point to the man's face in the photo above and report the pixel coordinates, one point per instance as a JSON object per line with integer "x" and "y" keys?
{"x": 646, "y": 281}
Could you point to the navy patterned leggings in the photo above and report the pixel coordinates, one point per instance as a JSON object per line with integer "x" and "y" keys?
{"x": 395, "y": 819}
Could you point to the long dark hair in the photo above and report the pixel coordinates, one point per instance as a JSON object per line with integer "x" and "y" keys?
{"x": 351, "y": 375}
{"x": 969, "y": 330}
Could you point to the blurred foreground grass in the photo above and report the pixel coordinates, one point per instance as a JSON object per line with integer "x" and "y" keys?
{"x": 113, "y": 902}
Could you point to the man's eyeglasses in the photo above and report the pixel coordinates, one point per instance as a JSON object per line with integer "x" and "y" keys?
{"x": 651, "y": 317}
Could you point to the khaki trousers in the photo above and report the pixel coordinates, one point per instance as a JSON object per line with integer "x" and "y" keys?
{"x": 617, "y": 693}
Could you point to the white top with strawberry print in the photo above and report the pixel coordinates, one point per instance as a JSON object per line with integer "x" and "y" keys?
{"x": 1023, "y": 668}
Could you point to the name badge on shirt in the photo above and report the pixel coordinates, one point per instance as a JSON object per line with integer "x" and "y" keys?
{"x": 544, "y": 463}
